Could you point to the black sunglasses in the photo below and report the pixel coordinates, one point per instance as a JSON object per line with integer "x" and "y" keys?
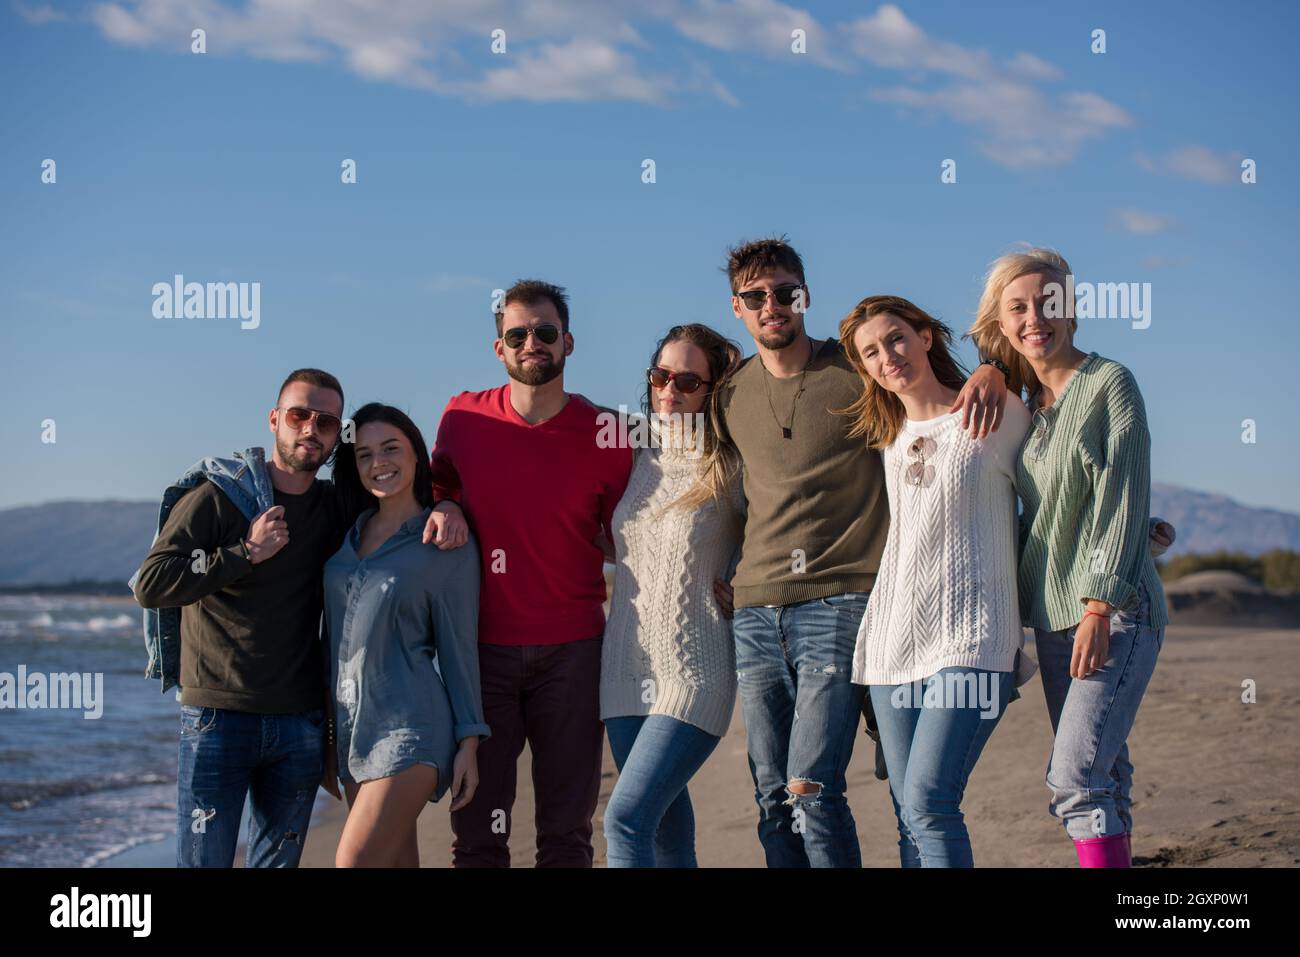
{"x": 784, "y": 295}
{"x": 548, "y": 332}
{"x": 687, "y": 382}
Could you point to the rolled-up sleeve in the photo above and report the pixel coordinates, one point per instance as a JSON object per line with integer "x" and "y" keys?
{"x": 455, "y": 629}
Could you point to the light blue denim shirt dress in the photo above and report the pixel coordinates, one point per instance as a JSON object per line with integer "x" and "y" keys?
{"x": 403, "y": 659}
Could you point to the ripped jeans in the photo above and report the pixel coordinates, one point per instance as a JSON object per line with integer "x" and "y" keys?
{"x": 795, "y": 664}
{"x": 226, "y": 755}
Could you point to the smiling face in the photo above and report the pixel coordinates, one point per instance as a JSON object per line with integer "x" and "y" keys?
{"x": 894, "y": 354}
{"x": 772, "y": 325}
{"x": 305, "y": 449}
{"x": 534, "y": 362}
{"x": 385, "y": 460}
{"x": 1021, "y": 318}
{"x": 682, "y": 356}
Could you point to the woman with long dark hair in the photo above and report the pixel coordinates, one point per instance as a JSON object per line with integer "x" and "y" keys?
{"x": 402, "y": 621}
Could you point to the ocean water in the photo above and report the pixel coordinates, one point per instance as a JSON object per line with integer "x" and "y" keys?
{"x": 77, "y": 792}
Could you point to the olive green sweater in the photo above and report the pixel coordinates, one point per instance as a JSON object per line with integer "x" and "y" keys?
{"x": 1085, "y": 479}
{"x": 817, "y": 512}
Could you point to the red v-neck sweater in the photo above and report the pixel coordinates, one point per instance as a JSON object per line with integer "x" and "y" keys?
{"x": 536, "y": 497}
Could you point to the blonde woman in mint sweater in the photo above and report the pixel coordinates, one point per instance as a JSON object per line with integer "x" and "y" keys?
{"x": 1088, "y": 584}
{"x": 668, "y": 668}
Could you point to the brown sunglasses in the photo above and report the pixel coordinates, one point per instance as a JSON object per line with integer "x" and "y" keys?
{"x": 297, "y": 417}
{"x": 687, "y": 382}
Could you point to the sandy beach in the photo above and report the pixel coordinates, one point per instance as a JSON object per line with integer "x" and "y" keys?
{"x": 1215, "y": 783}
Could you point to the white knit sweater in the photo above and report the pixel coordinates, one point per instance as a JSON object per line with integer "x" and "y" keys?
{"x": 668, "y": 649}
{"x": 946, "y": 593}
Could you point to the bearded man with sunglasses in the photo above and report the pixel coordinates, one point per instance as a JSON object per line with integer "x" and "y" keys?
{"x": 241, "y": 548}
{"x": 526, "y": 463}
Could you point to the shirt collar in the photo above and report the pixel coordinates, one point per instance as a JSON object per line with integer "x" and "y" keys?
{"x": 412, "y": 526}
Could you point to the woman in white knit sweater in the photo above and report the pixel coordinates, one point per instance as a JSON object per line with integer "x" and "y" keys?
{"x": 940, "y": 638}
{"x": 668, "y": 672}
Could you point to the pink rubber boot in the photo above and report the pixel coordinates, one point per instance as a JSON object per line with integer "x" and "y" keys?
{"x": 1110, "y": 851}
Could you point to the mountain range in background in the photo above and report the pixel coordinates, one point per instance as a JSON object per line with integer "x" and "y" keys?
{"x": 1207, "y": 522}
{"x": 81, "y": 541}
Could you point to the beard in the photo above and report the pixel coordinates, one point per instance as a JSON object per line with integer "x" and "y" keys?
{"x": 298, "y": 458}
{"x": 538, "y": 374}
{"x": 780, "y": 339}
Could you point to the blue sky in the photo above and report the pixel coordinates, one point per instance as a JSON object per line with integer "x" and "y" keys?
{"x": 475, "y": 169}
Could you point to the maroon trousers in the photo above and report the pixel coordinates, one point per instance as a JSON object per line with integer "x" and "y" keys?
{"x": 549, "y": 696}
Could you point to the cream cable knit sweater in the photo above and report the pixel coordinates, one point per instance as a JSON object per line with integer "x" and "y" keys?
{"x": 946, "y": 593}
{"x": 667, "y": 648}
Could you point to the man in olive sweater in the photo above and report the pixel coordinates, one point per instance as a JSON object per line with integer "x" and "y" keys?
{"x": 251, "y": 672}
{"x": 815, "y": 530}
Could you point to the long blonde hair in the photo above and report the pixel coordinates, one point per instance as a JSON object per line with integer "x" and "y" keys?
{"x": 986, "y": 330}
{"x": 878, "y": 413}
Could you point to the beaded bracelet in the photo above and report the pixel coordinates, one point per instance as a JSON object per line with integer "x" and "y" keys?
{"x": 999, "y": 365}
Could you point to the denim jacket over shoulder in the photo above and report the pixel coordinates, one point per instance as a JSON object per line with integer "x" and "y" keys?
{"x": 246, "y": 481}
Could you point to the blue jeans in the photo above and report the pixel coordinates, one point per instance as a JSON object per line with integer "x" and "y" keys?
{"x": 225, "y": 755}
{"x": 649, "y": 821}
{"x": 794, "y": 664}
{"x": 932, "y": 733}
{"x": 1089, "y": 775}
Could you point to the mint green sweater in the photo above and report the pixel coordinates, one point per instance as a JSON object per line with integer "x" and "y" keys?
{"x": 1085, "y": 479}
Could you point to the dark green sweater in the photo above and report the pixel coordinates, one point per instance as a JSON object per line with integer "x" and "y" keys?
{"x": 817, "y": 511}
{"x": 250, "y": 634}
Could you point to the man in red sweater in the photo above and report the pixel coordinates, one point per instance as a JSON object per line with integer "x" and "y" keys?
{"x": 538, "y": 491}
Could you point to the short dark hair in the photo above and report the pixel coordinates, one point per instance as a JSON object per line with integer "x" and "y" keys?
{"x": 761, "y": 255}
{"x": 314, "y": 377}
{"x": 532, "y": 291}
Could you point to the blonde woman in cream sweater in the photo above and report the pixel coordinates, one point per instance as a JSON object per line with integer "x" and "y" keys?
{"x": 668, "y": 673}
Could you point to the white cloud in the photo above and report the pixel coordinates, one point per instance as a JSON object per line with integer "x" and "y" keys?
{"x": 1028, "y": 65}
{"x": 1204, "y": 165}
{"x": 395, "y": 59}
{"x": 572, "y": 50}
{"x": 758, "y": 26}
{"x": 1199, "y": 163}
{"x": 1141, "y": 222}
{"x": 584, "y": 50}
{"x": 39, "y": 13}
{"x": 577, "y": 70}
{"x": 1020, "y": 124}
{"x": 120, "y": 25}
